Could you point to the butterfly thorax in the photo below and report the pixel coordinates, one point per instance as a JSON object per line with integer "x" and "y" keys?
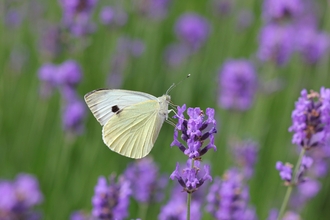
{"x": 163, "y": 105}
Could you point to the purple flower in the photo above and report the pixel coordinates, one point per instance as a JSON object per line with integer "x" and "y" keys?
{"x": 76, "y": 16}
{"x": 191, "y": 179}
{"x": 289, "y": 215}
{"x": 223, "y": 7}
{"x": 69, "y": 73}
{"x": 281, "y": 9}
{"x": 193, "y": 30}
{"x": 13, "y": 18}
{"x": 27, "y": 189}
{"x": 238, "y": 84}
{"x": 113, "y": 16}
{"x": 244, "y": 20}
{"x": 154, "y": 9}
{"x": 176, "y": 208}
{"x": 195, "y": 131}
{"x": 51, "y": 42}
{"x": 111, "y": 201}
{"x": 79, "y": 215}
{"x": 147, "y": 185}
{"x": 320, "y": 156}
{"x": 47, "y": 73}
{"x": 309, "y": 188}
{"x": 73, "y": 116}
{"x": 130, "y": 47}
{"x": 286, "y": 171}
{"x": 127, "y": 48}
{"x": 276, "y": 44}
{"x": 245, "y": 154}
{"x": 228, "y": 198}
{"x": 312, "y": 45}
{"x": 311, "y": 119}
{"x": 176, "y": 54}
{"x": 19, "y": 197}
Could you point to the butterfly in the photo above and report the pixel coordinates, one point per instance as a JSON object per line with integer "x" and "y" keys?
{"x": 131, "y": 120}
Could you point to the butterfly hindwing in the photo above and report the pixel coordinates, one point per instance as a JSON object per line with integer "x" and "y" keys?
{"x": 133, "y": 131}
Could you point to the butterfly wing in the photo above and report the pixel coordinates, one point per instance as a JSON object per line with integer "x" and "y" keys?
{"x": 104, "y": 103}
{"x": 133, "y": 131}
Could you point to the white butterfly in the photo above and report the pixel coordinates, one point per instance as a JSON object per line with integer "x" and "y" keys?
{"x": 131, "y": 120}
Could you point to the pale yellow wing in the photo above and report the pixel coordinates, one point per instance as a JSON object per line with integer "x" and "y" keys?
{"x": 133, "y": 131}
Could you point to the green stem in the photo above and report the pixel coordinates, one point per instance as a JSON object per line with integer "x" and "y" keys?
{"x": 293, "y": 182}
{"x": 189, "y": 195}
{"x": 143, "y": 209}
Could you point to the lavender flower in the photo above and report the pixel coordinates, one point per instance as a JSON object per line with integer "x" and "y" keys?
{"x": 228, "y": 198}
{"x": 312, "y": 45}
{"x": 111, "y": 201}
{"x": 76, "y": 16}
{"x": 13, "y": 18}
{"x": 195, "y": 131}
{"x": 19, "y": 197}
{"x": 289, "y": 215}
{"x": 113, "y": 16}
{"x": 176, "y": 207}
{"x": 244, "y": 20}
{"x": 223, "y": 7}
{"x": 245, "y": 154}
{"x": 79, "y": 215}
{"x": 73, "y": 116}
{"x": 154, "y": 9}
{"x": 281, "y": 9}
{"x": 276, "y": 44}
{"x": 190, "y": 179}
{"x": 65, "y": 77}
{"x": 286, "y": 171}
{"x": 238, "y": 84}
{"x": 147, "y": 185}
{"x": 311, "y": 119}
{"x": 306, "y": 191}
{"x": 47, "y": 73}
{"x": 176, "y": 54}
{"x": 193, "y": 30}
{"x": 127, "y": 48}
{"x": 69, "y": 73}
{"x": 320, "y": 156}
{"x": 51, "y": 42}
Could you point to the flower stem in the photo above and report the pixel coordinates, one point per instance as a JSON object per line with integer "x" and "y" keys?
{"x": 189, "y": 196}
{"x": 188, "y": 205}
{"x": 290, "y": 187}
{"x": 143, "y": 209}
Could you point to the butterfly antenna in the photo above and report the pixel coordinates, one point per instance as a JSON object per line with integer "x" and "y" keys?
{"x": 174, "y": 85}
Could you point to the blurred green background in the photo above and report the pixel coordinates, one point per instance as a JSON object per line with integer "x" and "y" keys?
{"x": 67, "y": 166}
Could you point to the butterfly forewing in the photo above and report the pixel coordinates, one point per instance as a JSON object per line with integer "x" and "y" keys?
{"x": 104, "y": 103}
{"x": 133, "y": 131}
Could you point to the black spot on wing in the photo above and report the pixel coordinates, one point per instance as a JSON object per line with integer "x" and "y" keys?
{"x": 115, "y": 109}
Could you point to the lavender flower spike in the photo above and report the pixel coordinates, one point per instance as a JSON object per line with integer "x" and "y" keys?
{"x": 110, "y": 201}
{"x": 238, "y": 84}
{"x": 228, "y": 198}
{"x": 190, "y": 179}
{"x": 147, "y": 185}
{"x": 18, "y": 198}
{"x": 193, "y": 30}
{"x": 195, "y": 131}
{"x": 310, "y": 119}
{"x": 286, "y": 171}
{"x": 276, "y": 44}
